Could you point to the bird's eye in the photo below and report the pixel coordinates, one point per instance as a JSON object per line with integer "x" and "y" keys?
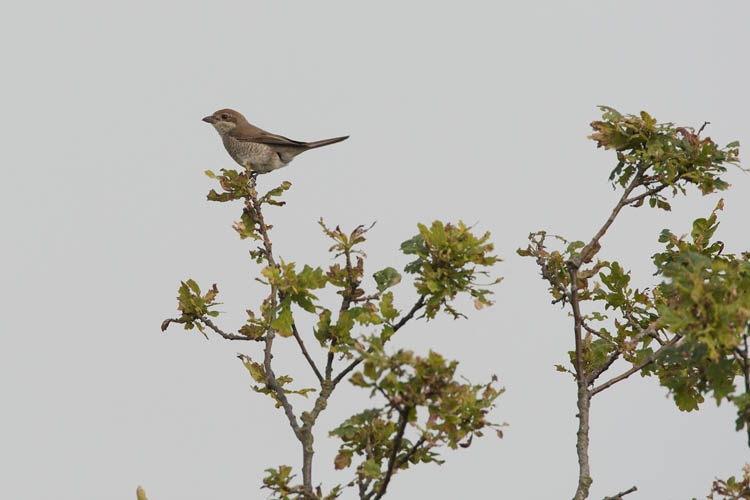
{"x": 224, "y": 116}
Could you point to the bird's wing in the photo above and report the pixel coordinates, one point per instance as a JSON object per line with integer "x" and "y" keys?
{"x": 252, "y": 133}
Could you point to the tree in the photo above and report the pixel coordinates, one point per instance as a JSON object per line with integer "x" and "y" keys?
{"x": 691, "y": 329}
{"x": 423, "y": 404}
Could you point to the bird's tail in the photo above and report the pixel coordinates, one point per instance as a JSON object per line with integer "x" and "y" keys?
{"x": 325, "y": 142}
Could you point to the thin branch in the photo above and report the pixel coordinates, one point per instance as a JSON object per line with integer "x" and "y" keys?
{"x": 366, "y": 298}
{"x": 597, "y": 333}
{"x": 403, "y": 418}
{"x": 583, "y": 393}
{"x": 305, "y": 353}
{"x": 351, "y": 366}
{"x": 274, "y": 385}
{"x": 589, "y": 250}
{"x": 262, "y": 227}
{"x": 644, "y": 332}
{"x": 653, "y": 191}
{"x": 645, "y": 194}
{"x": 204, "y": 320}
{"x": 329, "y": 367}
{"x": 416, "y": 307}
{"x": 593, "y": 331}
{"x": 229, "y": 336}
{"x": 636, "y": 368}
{"x": 362, "y": 485}
{"x": 619, "y": 496}
{"x": 650, "y": 330}
{"x": 596, "y": 372}
{"x": 580, "y": 375}
{"x": 415, "y": 448}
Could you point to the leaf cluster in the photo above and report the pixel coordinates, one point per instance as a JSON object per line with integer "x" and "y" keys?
{"x": 658, "y": 155}
{"x": 421, "y": 394}
{"x": 705, "y": 299}
{"x": 732, "y": 488}
{"x": 279, "y": 481}
{"x": 194, "y": 306}
{"x": 448, "y": 262}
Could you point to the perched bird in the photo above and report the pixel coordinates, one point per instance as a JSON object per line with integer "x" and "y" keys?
{"x": 254, "y": 148}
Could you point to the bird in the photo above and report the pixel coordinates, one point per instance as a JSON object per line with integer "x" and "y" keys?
{"x": 255, "y": 149}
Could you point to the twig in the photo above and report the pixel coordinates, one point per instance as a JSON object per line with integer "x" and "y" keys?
{"x": 329, "y": 366}
{"x": 619, "y": 496}
{"x": 588, "y": 251}
{"x": 645, "y": 194}
{"x": 208, "y": 323}
{"x": 403, "y": 418}
{"x": 216, "y": 329}
{"x": 650, "y": 330}
{"x": 615, "y": 355}
{"x": 418, "y": 444}
{"x": 650, "y": 359}
{"x": 597, "y": 333}
{"x": 305, "y": 353}
{"x": 653, "y": 191}
{"x": 596, "y": 372}
{"x": 351, "y": 366}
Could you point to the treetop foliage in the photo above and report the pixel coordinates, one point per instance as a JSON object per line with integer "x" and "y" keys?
{"x": 423, "y": 404}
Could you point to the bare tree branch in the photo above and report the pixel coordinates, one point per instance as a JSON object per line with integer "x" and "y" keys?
{"x": 305, "y": 353}
{"x": 597, "y": 333}
{"x": 619, "y": 496}
{"x": 645, "y": 194}
{"x": 229, "y": 336}
{"x": 590, "y": 249}
{"x": 636, "y": 368}
{"x": 210, "y": 324}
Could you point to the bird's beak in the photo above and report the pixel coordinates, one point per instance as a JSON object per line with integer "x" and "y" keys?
{"x": 209, "y": 119}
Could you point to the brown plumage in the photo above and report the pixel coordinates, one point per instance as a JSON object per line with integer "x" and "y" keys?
{"x": 253, "y": 147}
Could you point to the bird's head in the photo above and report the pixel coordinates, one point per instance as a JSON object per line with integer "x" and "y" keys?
{"x": 225, "y": 120}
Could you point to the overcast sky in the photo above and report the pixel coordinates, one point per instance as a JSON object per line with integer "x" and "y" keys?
{"x": 473, "y": 111}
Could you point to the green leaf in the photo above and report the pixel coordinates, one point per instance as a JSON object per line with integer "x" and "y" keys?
{"x": 414, "y": 245}
{"x": 386, "y": 278}
{"x": 257, "y": 372}
{"x": 193, "y": 286}
{"x": 284, "y": 321}
{"x": 371, "y": 469}
{"x": 387, "y": 310}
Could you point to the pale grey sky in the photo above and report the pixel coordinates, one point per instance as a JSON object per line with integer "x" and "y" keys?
{"x": 474, "y": 110}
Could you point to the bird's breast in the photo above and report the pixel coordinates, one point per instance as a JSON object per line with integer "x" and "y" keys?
{"x": 259, "y": 157}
